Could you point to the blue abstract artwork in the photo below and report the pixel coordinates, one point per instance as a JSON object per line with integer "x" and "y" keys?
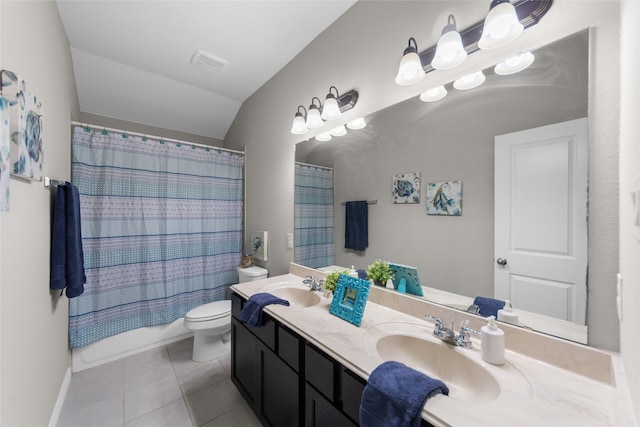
{"x": 444, "y": 198}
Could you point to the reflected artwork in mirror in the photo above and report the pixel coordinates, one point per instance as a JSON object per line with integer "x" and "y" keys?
{"x": 452, "y": 139}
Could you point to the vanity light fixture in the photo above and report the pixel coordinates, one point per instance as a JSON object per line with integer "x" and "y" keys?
{"x": 356, "y": 124}
{"x": 470, "y": 81}
{"x": 324, "y": 136}
{"x": 314, "y": 120}
{"x": 299, "y": 126}
{"x": 410, "y": 70}
{"x": 414, "y": 64}
{"x": 501, "y": 25}
{"x": 338, "y": 131}
{"x": 449, "y": 50}
{"x": 515, "y": 64}
{"x": 301, "y": 121}
{"x": 435, "y": 94}
{"x": 331, "y": 109}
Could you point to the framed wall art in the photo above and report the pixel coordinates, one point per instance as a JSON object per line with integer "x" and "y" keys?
{"x": 5, "y": 159}
{"x": 444, "y": 198}
{"x": 259, "y": 244}
{"x": 406, "y": 188}
{"x": 350, "y": 298}
{"x": 25, "y": 128}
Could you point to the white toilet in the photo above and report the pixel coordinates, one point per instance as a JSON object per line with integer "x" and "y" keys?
{"x": 211, "y": 326}
{"x": 211, "y": 323}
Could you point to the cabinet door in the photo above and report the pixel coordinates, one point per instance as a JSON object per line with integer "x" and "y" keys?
{"x": 280, "y": 392}
{"x": 319, "y": 412}
{"x": 245, "y": 363}
{"x": 351, "y": 388}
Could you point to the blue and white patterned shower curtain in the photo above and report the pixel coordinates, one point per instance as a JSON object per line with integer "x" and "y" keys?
{"x": 313, "y": 200}
{"x": 161, "y": 230}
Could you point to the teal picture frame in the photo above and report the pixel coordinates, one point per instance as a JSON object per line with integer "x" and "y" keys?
{"x": 350, "y": 298}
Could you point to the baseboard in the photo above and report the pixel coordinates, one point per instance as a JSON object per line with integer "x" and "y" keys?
{"x": 62, "y": 395}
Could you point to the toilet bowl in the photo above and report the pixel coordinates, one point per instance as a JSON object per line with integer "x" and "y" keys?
{"x": 211, "y": 326}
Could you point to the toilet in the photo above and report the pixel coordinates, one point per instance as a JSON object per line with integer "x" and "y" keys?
{"x": 211, "y": 323}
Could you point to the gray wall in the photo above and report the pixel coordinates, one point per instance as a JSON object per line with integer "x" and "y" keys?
{"x": 361, "y": 50}
{"x": 35, "y": 353}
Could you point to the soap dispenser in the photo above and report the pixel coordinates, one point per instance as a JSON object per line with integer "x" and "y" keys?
{"x": 507, "y": 314}
{"x": 353, "y": 272}
{"x": 492, "y": 342}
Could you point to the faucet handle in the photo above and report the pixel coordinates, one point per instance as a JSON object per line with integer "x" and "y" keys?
{"x": 465, "y": 335}
{"x": 436, "y": 319}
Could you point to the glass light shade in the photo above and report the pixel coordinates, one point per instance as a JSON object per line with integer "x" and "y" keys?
{"x": 515, "y": 64}
{"x": 314, "y": 120}
{"x": 410, "y": 70}
{"x": 358, "y": 123}
{"x": 470, "y": 81}
{"x": 338, "y": 131}
{"x": 435, "y": 94}
{"x": 331, "y": 109}
{"x": 449, "y": 51}
{"x": 324, "y": 136}
{"x": 500, "y": 26}
{"x": 299, "y": 126}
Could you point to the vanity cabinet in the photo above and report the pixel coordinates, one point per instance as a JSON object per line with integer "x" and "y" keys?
{"x": 286, "y": 380}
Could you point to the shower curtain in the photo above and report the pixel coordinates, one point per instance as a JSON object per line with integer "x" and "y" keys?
{"x": 161, "y": 230}
{"x": 313, "y": 200}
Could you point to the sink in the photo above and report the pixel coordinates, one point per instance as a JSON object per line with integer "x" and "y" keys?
{"x": 297, "y": 296}
{"x": 466, "y": 379}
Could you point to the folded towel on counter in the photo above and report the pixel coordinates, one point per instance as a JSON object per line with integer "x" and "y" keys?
{"x": 488, "y": 306}
{"x": 395, "y": 395}
{"x": 251, "y": 314}
{"x": 356, "y": 232}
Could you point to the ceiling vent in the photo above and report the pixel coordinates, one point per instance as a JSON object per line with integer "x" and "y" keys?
{"x": 208, "y": 62}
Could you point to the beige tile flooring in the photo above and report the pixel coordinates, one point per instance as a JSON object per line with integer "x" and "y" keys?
{"x": 159, "y": 387}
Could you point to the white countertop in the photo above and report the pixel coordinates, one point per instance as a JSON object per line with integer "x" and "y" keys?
{"x": 534, "y": 391}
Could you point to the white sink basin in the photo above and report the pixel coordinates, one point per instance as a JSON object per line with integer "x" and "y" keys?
{"x": 296, "y": 295}
{"x": 466, "y": 379}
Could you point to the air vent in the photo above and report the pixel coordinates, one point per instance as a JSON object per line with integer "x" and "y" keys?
{"x": 208, "y": 62}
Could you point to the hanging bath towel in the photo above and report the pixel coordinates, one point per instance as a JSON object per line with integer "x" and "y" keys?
{"x": 356, "y": 232}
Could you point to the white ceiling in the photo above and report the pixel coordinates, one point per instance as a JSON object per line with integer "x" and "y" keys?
{"x": 132, "y": 58}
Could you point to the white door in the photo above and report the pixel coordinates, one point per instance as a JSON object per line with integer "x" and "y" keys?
{"x": 541, "y": 247}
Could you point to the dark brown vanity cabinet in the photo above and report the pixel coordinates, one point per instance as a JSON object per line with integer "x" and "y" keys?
{"x": 287, "y": 381}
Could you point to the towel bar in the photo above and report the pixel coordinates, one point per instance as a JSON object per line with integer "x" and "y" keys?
{"x": 369, "y": 202}
{"x": 48, "y": 182}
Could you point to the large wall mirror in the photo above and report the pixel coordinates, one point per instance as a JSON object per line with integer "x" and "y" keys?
{"x": 451, "y": 139}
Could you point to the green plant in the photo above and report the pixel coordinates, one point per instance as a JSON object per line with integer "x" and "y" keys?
{"x": 379, "y": 272}
{"x": 331, "y": 279}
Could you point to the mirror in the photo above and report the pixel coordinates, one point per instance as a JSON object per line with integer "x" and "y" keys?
{"x": 451, "y": 139}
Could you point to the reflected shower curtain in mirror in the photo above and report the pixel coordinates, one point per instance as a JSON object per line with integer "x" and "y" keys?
{"x": 313, "y": 200}
{"x": 161, "y": 230}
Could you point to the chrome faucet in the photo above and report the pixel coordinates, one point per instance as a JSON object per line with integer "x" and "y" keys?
{"x": 449, "y": 336}
{"x": 313, "y": 284}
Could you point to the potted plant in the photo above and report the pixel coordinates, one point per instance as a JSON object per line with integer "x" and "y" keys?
{"x": 331, "y": 280}
{"x": 379, "y": 272}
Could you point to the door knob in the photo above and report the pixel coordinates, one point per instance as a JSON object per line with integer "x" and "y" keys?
{"x": 501, "y": 261}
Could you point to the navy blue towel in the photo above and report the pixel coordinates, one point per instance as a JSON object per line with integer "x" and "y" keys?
{"x": 67, "y": 257}
{"x": 356, "y": 230}
{"x": 395, "y": 395}
{"x": 251, "y": 314}
{"x": 488, "y": 306}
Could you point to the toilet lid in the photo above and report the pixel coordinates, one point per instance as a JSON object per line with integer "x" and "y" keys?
{"x": 210, "y": 311}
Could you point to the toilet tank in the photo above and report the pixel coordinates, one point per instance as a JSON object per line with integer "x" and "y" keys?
{"x": 250, "y": 274}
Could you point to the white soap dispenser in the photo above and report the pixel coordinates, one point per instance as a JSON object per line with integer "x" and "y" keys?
{"x": 507, "y": 314}
{"x": 353, "y": 272}
{"x": 492, "y": 343}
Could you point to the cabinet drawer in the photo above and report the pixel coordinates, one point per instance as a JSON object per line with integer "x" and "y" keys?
{"x": 320, "y": 371}
{"x": 351, "y": 388}
{"x": 289, "y": 346}
{"x": 266, "y": 333}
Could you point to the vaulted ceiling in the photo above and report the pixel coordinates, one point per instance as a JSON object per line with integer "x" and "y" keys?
{"x": 131, "y": 59}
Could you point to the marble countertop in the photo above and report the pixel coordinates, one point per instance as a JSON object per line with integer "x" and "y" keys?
{"x": 544, "y": 382}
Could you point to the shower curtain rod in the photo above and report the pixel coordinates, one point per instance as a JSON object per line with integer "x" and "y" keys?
{"x": 315, "y": 166}
{"x": 144, "y": 135}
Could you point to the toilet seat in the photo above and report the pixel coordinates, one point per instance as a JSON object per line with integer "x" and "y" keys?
{"x": 211, "y": 311}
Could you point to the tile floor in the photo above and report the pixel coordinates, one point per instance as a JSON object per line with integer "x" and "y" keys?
{"x": 159, "y": 387}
